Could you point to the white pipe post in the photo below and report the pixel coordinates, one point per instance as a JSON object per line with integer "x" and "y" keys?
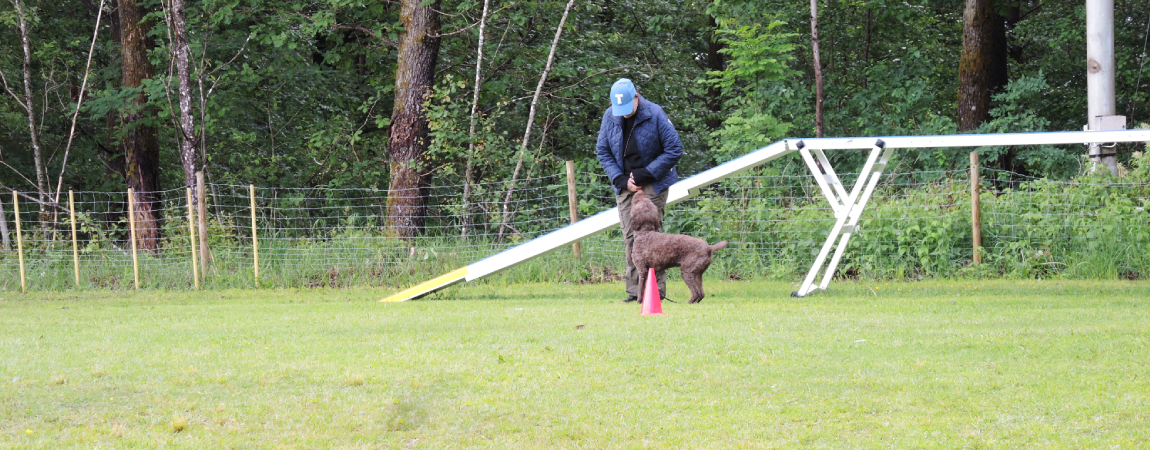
{"x": 1100, "y": 74}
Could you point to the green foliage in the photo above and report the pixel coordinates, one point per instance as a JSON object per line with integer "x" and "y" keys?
{"x": 448, "y": 113}
{"x": 899, "y": 100}
{"x": 1016, "y": 112}
{"x": 1090, "y": 228}
{"x": 1140, "y": 172}
{"x": 758, "y": 57}
{"x": 300, "y": 94}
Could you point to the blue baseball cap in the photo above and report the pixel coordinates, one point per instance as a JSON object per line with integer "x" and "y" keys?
{"x": 622, "y": 97}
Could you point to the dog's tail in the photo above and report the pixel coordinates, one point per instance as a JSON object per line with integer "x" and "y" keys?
{"x": 718, "y": 246}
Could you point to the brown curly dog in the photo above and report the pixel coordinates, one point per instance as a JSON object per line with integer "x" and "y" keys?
{"x": 662, "y": 251}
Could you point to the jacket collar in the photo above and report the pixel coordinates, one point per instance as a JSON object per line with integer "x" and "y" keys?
{"x": 642, "y": 114}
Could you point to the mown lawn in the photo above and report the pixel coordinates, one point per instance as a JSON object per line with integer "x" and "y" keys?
{"x": 940, "y": 364}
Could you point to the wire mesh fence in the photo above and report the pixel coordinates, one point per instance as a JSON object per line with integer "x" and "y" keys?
{"x": 916, "y": 225}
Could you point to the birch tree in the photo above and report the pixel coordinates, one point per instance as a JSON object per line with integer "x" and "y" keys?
{"x": 27, "y": 103}
{"x": 531, "y": 119}
{"x": 186, "y": 134}
{"x": 471, "y": 131}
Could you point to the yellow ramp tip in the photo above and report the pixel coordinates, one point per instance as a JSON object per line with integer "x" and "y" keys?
{"x": 428, "y": 286}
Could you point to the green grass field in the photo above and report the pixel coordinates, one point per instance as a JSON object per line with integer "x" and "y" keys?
{"x": 940, "y": 364}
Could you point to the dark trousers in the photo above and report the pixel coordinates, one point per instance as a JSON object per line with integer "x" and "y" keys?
{"x": 631, "y": 277}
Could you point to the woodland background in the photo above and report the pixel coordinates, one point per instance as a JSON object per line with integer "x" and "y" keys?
{"x": 352, "y": 94}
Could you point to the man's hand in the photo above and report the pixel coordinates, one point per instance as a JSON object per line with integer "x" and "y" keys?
{"x": 631, "y": 186}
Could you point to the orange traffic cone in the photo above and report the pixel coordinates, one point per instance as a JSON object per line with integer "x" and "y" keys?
{"x": 652, "y": 304}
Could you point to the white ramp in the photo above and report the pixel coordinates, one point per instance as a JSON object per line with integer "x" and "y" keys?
{"x": 848, "y": 207}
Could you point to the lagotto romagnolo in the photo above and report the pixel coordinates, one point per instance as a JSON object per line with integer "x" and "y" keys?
{"x": 663, "y": 251}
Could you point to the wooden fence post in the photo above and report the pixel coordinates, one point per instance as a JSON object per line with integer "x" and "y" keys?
{"x": 75, "y": 244}
{"x": 19, "y": 240}
{"x": 573, "y": 202}
{"x": 202, "y": 217}
{"x": 192, "y": 237}
{"x": 132, "y": 236}
{"x": 975, "y": 209}
{"x": 255, "y": 239}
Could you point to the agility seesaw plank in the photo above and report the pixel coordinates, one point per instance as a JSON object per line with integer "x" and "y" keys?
{"x": 585, "y": 228}
{"x": 689, "y": 187}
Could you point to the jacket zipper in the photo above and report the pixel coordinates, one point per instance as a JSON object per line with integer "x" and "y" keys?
{"x": 625, "y": 142}
{"x": 632, "y": 136}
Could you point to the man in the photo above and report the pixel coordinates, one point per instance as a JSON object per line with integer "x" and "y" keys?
{"x": 638, "y": 147}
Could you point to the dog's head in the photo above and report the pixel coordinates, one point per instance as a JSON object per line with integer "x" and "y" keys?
{"x": 644, "y": 214}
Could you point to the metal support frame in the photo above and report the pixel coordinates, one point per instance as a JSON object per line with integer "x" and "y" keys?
{"x": 847, "y": 208}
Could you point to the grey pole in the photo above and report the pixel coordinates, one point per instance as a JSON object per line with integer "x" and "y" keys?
{"x": 1100, "y": 67}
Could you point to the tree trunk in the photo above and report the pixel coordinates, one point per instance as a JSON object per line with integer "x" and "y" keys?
{"x": 714, "y": 64}
{"x": 30, "y": 108}
{"x": 465, "y": 218}
{"x": 818, "y": 69}
{"x": 407, "y": 139}
{"x": 141, "y": 149}
{"x": 187, "y": 138}
{"x": 982, "y": 66}
{"x": 866, "y": 49}
{"x": 1012, "y": 17}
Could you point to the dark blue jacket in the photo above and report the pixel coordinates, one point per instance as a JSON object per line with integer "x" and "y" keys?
{"x": 657, "y": 140}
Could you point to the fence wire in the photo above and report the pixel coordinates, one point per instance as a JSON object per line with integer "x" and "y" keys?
{"x": 917, "y": 224}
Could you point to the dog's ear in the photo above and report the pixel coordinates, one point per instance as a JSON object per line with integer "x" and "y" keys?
{"x": 647, "y": 225}
{"x": 644, "y": 215}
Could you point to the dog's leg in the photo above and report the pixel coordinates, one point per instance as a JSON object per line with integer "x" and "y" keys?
{"x": 694, "y": 281}
{"x": 642, "y": 283}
